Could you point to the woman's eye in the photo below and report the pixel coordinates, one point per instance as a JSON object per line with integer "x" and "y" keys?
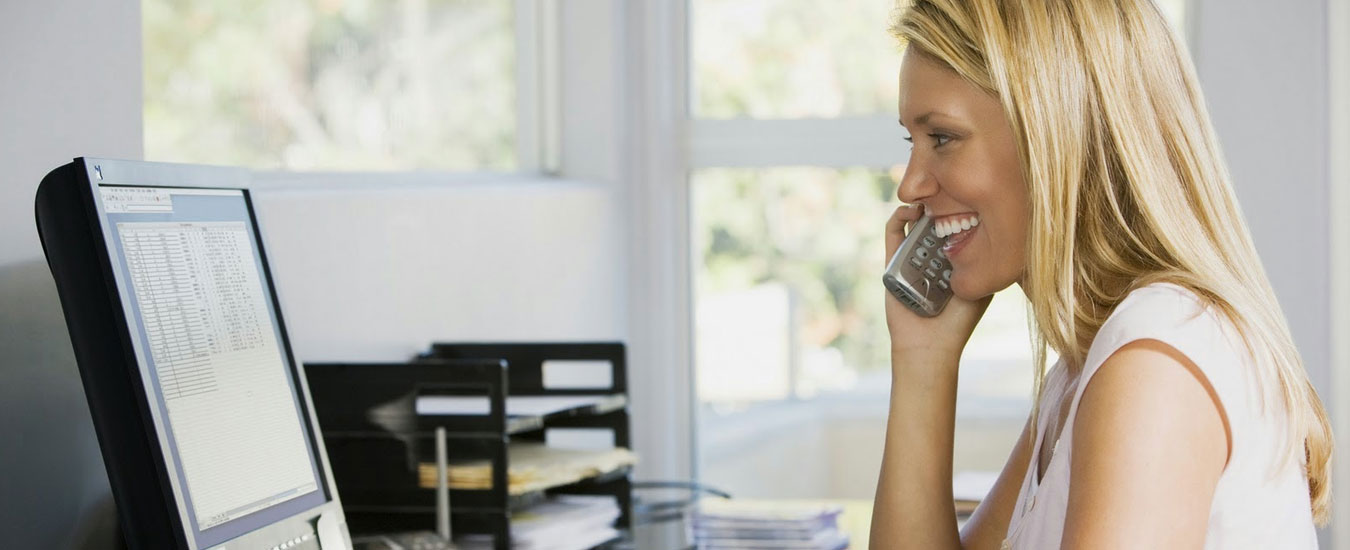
{"x": 940, "y": 139}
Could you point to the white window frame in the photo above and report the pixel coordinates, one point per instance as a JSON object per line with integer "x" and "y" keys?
{"x": 860, "y": 141}
{"x": 538, "y": 84}
{"x": 1338, "y": 34}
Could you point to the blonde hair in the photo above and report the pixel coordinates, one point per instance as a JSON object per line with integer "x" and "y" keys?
{"x": 1126, "y": 182}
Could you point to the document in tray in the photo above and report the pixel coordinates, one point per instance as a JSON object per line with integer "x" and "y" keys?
{"x": 532, "y": 467}
{"x": 516, "y": 405}
{"x": 563, "y": 522}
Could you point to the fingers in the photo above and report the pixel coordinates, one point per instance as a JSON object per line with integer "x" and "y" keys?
{"x": 898, "y": 224}
{"x": 904, "y": 214}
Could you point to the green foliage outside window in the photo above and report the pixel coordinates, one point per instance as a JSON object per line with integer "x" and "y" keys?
{"x": 331, "y": 84}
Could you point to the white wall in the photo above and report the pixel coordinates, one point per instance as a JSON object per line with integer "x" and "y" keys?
{"x": 71, "y": 74}
{"x": 367, "y": 272}
{"x": 72, "y": 87}
{"x": 1263, "y": 67}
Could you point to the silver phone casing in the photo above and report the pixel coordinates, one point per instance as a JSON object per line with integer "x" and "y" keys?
{"x": 912, "y": 284}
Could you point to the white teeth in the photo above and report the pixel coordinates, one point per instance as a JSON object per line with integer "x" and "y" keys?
{"x": 947, "y": 228}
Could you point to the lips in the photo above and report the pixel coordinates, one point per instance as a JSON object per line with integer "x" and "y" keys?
{"x": 957, "y": 229}
{"x": 957, "y": 239}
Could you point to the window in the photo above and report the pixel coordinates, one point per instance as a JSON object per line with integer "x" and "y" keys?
{"x": 332, "y": 84}
{"x": 791, "y": 59}
{"x": 795, "y": 154}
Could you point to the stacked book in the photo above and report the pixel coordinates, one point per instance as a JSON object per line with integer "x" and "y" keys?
{"x": 562, "y": 522}
{"x": 767, "y": 525}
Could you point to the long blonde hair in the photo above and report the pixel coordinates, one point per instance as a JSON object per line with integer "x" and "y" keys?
{"x": 1126, "y": 182}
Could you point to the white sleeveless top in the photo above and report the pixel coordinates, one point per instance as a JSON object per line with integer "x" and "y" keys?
{"x": 1254, "y": 505}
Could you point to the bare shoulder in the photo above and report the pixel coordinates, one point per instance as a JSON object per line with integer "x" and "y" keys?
{"x": 1150, "y": 441}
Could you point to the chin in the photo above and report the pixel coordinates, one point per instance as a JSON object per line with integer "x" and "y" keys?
{"x": 964, "y": 289}
{"x": 973, "y": 289}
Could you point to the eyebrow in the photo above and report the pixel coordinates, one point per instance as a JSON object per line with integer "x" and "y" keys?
{"x": 923, "y": 119}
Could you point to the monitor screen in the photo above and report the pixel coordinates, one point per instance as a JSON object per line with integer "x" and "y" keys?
{"x": 223, "y": 396}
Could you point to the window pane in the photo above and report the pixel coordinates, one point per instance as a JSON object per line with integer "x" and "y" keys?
{"x": 792, "y": 58}
{"x": 331, "y": 84}
{"x": 787, "y": 257}
{"x": 792, "y": 353}
{"x": 774, "y": 59}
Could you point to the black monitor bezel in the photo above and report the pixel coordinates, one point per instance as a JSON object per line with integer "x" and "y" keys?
{"x": 126, "y": 476}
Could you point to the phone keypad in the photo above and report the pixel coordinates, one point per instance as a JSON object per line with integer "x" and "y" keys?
{"x": 936, "y": 269}
{"x": 923, "y": 285}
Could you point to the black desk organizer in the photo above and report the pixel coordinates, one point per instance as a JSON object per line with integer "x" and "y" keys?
{"x": 375, "y": 439}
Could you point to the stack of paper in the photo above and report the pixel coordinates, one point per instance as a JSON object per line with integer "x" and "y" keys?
{"x": 516, "y": 405}
{"x": 532, "y": 467}
{"x": 563, "y": 522}
{"x": 764, "y": 525}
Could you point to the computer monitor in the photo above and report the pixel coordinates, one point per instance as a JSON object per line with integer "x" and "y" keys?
{"x": 202, "y": 413}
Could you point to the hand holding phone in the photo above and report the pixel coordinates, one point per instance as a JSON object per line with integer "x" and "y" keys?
{"x": 919, "y": 274}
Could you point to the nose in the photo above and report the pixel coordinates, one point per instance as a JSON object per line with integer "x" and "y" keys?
{"x": 917, "y": 183}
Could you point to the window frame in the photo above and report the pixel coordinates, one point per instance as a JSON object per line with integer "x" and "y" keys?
{"x": 869, "y": 141}
{"x": 1338, "y": 33}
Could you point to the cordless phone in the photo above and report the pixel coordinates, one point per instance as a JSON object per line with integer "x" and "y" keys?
{"x": 919, "y": 274}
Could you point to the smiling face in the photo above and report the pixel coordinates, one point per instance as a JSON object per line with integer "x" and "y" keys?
{"x": 964, "y": 169}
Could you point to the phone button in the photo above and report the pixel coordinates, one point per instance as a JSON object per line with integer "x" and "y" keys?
{"x": 929, "y": 242}
{"x": 930, "y": 273}
{"x": 944, "y": 285}
{"x": 935, "y": 263}
{"x": 916, "y": 263}
{"x": 947, "y": 274}
{"x": 921, "y": 252}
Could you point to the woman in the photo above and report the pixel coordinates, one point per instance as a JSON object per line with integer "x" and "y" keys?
{"x": 1073, "y": 139}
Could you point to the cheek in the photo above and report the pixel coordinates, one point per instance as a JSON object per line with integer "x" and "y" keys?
{"x": 997, "y": 258}
{"x": 973, "y": 179}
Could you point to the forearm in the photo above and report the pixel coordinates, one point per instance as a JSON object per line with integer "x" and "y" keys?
{"x": 913, "y": 507}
